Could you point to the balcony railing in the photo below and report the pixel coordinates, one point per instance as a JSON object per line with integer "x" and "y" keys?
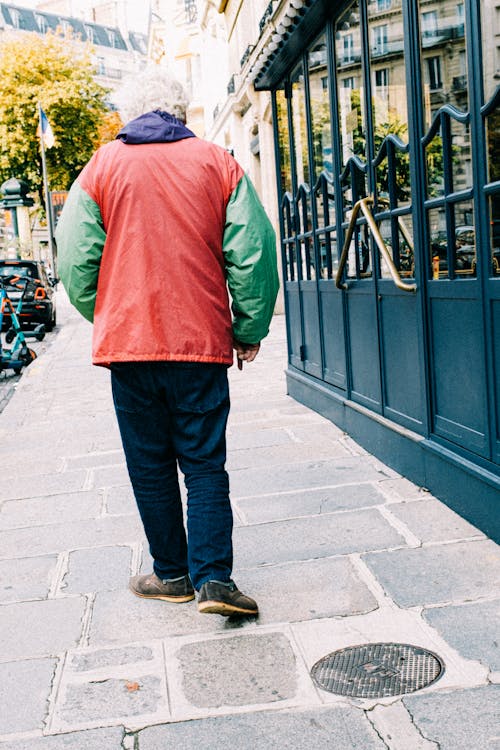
{"x": 267, "y": 14}
{"x": 247, "y": 54}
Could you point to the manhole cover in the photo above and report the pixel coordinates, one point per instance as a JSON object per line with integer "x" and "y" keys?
{"x": 376, "y": 670}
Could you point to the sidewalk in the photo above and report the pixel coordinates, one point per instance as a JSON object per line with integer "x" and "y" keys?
{"x": 337, "y": 548}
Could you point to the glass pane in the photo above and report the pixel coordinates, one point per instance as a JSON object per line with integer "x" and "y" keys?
{"x": 359, "y": 257}
{"x": 438, "y": 242}
{"x": 300, "y": 126}
{"x": 434, "y": 167}
{"x": 350, "y": 85}
{"x": 461, "y": 156}
{"x": 444, "y": 65}
{"x": 328, "y": 255}
{"x": 493, "y": 143}
{"x": 325, "y": 203}
{"x": 320, "y": 107}
{"x": 284, "y": 142}
{"x": 465, "y": 242}
{"x": 490, "y": 22}
{"x": 495, "y": 233}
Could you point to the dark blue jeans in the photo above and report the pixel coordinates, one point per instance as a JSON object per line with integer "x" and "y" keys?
{"x": 169, "y": 414}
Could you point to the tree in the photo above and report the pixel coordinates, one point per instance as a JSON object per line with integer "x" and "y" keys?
{"x": 57, "y": 72}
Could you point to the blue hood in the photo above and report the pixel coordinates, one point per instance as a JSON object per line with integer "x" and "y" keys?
{"x": 154, "y": 127}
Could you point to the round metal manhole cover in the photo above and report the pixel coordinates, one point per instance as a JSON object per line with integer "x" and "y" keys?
{"x": 377, "y": 670}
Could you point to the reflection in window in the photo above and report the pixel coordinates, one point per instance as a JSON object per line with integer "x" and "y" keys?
{"x": 490, "y": 23}
{"x": 465, "y": 243}
{"x": 380, "y": 37}
{"x": 444, "y": 67}
{"x": 300, "y": 127}
{"x": 434, "y": 167}
{"x": 494, "y": 202}
{"x": 433, "y": 70}
{"x": 350, "y": 94}
{"x": 283, "y": 143}
{"x": 320, "y": 108}
{"x": 461, "y": 156}
{"x": 383, "y": 5}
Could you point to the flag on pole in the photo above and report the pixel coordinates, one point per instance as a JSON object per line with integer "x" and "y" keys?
{"x": 44, "y": 130}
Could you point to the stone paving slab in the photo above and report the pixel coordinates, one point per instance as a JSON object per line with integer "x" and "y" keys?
{"x": 467, "y": 719}
{"x": 111, "y": 686}
{"x": 306, "y": 591}
{"x": 51, "y": 509}
{"x": 94, "y": 459}
{"x": 22, "y": 486}
{"x": 238, "y": 671}
{"x": 253, "y": 458}
{"x": 308, "y": 502}
{"x": 24, "y": 691}
{"x": 119, "y": 615}
{"x": 438, "y": 573}
{"x": 269, "y": 480}
{"x": 27, "y": 578}
{"x": 473, "y": 629}
{"x": 43, "y": 628}
{"x": 319, "y": 729}
{"x": 120, "y": 500}
{"x": 318, "y": 536}
{"x": 109, "y": 476}
{"x": 111, "y": 701}
{"x": 43, "y": 540}
{"x": 98, "y": 569}
{"x": 238, "y": 440}
{"x": 93, "y": 739}
{"x": 432, "y": 521}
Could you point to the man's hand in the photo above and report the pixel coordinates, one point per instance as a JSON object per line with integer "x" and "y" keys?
{"x": 245, "y": 352}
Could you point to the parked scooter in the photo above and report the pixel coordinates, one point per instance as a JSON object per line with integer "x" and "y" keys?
{"x": 19, "y": 354}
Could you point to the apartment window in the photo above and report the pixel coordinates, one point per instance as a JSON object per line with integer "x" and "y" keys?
{"x": 349, "y": 83}
{"x": 384, "y": 4}
{"x": 90, "y": 33}
{"x": 111, "y": 36}
{"x": 324, "y": 83}
{"x": 460, "y": 14}
{"x": 16, "y": 18}
{"x": 429, "y": 23}
{"x": 41, "y": 23}
{"x": 380, "y": 38}
{"x": 382, "y": 82}
{"x": 434, "y": 73}
{"x": 348, "y": 48}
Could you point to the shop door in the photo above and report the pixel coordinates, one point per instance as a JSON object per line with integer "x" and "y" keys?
{"x": 460, "y": 236}
{"x": 379, "y": 262}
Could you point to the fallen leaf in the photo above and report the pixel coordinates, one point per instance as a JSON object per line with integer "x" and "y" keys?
{"x": 132, "y": 686}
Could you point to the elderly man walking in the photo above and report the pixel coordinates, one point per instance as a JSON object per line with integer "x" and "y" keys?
{"x": 157, "y": 228}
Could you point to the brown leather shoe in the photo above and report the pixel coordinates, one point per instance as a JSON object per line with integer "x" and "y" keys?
{"x": 169, "y": 590}
{"x": 220, "y": 598}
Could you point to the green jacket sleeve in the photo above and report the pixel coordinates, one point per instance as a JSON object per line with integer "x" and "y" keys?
{"x": 249, "y": 247}
{"x": 80, "y": 239}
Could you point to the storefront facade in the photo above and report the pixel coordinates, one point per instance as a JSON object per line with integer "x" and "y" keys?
{"x": 387, "y": 135}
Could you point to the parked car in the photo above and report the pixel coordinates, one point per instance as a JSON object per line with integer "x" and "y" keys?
{"x": 39, "y": 302}
{"x": 465, "y": 250}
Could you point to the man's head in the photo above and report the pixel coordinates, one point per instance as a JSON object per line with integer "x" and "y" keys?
{"x": 153, "y": 88}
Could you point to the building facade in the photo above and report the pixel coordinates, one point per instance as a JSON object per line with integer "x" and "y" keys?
{"x": 386, "y": 125}
{"x": 116, "y": 51}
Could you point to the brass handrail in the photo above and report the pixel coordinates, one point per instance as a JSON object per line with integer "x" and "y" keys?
{"x": 363, "y": 205}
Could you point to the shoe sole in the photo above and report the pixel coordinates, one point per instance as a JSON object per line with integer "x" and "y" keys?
{"x": 164, "y": 597}
{"x": 221, "y": 608}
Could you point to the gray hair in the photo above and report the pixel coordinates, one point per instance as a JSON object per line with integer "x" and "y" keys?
{"x": 152, "y": 88}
